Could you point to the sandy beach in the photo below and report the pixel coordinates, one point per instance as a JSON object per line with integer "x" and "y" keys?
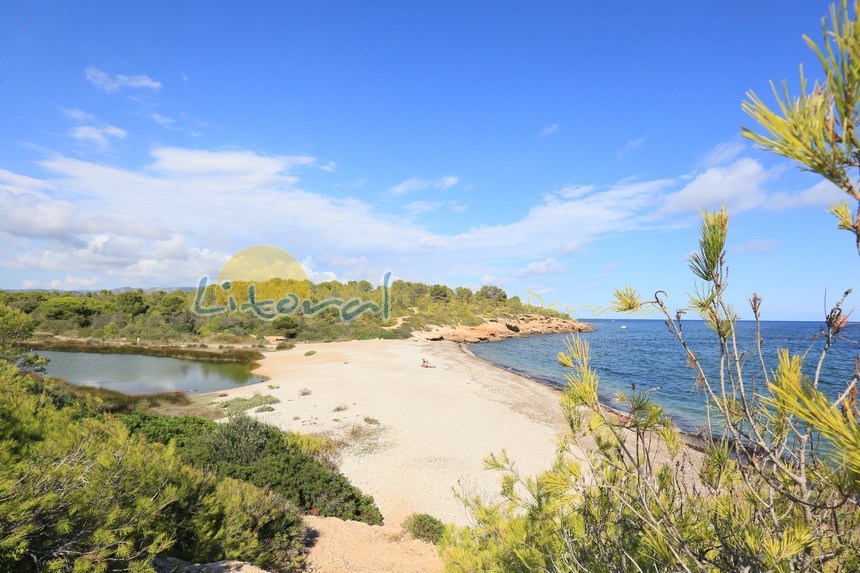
{"x": 416, "y": 434}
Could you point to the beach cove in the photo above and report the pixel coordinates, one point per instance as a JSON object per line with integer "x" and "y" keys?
{"x": 415, "y": 435}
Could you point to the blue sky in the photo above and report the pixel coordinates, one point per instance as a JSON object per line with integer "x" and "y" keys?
{"x": 557, "y": 148}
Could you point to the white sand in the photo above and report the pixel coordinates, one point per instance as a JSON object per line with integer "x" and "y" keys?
{"x": 435, "y": 424}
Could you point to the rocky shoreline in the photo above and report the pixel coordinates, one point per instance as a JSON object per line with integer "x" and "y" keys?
{"x": 503, "y": 328}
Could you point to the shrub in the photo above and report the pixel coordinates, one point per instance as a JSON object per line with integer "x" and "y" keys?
{"x": 321, "y": 448}
{"x": 247, "y": 449}
{"x": 82, "y": 494}
{"x": 424, "y": 527}
{"x": 241, "y": 521}
{"x": 163, "y": 429}
{"x": 310, "y": 352}
{"x": 300, "y": 468}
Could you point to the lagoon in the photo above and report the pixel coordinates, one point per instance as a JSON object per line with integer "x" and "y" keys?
{"x": 137, "y": 374}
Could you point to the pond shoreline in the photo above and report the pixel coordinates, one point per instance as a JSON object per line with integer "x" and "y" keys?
{"x": 235, "y": 355}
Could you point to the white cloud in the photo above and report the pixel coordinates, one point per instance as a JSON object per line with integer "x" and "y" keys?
{"x": 822, "y": 194}
{"x": 181, "y": 214}
{"x": 205, "y": 204}
{"x": 68, "y": 283}
{"x": 631, "y": 145}
{"x": 757, "y": 246}
{"x": 163, "y": 121}
{"x": 419, "y": 207}
{"x": 574, "y": 191}
{"x": 738, "y": 186}
{"x": 78, "y": 115}
{"x": 315, "y": 275}
{"x": 415, "y": 185}
{"x": 97, "y": 136}
{"x": 21, "y": 184}
{"x": 74, "y": 283}
{"x": 550, "y": 129}
{"x": 723, "y": 153}
{"x": 537, "y": 268}
{"x": 113, "y": 83}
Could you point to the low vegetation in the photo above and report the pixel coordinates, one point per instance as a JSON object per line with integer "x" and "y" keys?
{"x": 164, "y": 325}
{"x": 301, "y": 469}
{"x": 82, "y": 493}
{"x": 236, "y": 405}
{"x": 107, "y": 400}
{"x": 424, "y": 527}
{"x": 242, "y": 355}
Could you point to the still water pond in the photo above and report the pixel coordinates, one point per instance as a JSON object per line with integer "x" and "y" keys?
{"x": 134, "y": 374}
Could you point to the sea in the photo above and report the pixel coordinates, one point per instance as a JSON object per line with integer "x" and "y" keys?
{"x": 644, "y": 354}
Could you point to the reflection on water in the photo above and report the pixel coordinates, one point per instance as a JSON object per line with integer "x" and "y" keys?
{"x": 134, "y": 374}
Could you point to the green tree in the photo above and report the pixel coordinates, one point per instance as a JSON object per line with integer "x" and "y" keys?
{"x": 463, "y": 294}
{"x": 15, "y": 326}
{"x": 78, "y": 309}
{"x": 440, "y": 293}
{"x": 132, "y": 302}
{"x": 817, "y": 128}
{"x": 492, "y": 294}
{"x": 288, "y": 325}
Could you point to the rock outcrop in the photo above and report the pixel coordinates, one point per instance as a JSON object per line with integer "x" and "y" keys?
{"x": 502, "y": 328}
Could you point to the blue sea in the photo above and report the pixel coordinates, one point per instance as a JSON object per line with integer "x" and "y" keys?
{"x": 645, "y": 354}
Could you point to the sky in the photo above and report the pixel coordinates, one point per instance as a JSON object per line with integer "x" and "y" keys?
{"x": 559, "y": 150}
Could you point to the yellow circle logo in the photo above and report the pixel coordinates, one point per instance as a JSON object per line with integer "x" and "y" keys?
{"x": 274, "y": 273}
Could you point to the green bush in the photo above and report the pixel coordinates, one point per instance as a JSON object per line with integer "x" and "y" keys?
{"x": 163, "y": 429}
{"x": 78, "y": 492}
{"x": 424, "y": 527}
{"x": 244, "y": 448}
{"x": 241, "y": 521}
{"x": 300, "y": 468}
